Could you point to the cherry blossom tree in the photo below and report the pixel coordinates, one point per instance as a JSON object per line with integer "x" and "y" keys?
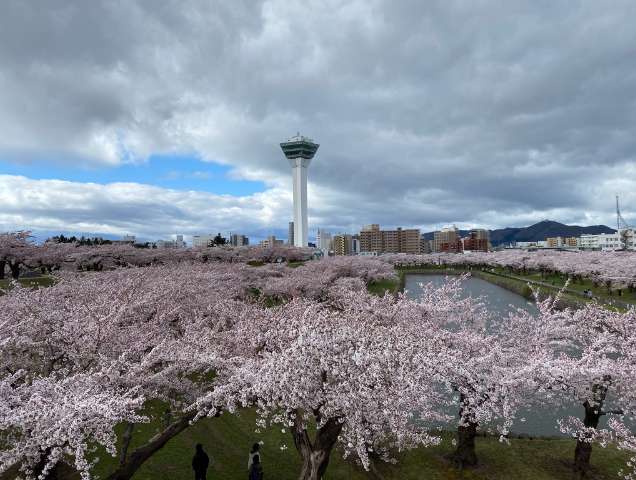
{"x": 346, "y": 367}
{"x": 589, "y": 359}
{"x": 47, "y": 419}
{"x": 51, "y": 257}
{"x": 15, "y": 248}
{"x": 482, "y": 366}
{"x": 595, "y": 371}
{"x": 314, "y": 279}
{"x": 121, "y": 331}
{"x": 373, "y": 374}
{"x": 617, "y": 268}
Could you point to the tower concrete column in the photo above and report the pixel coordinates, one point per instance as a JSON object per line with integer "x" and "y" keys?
{"x": 299, "y": 151}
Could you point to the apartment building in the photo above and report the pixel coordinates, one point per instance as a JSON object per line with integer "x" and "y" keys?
{"x": 447, "y": 240}
{"x": 478, "y": 240}
{"x": 607, "y": 242}
{"x": 426, "y": 246}
{"x": 270, "y": 241}
{"x": 372, "y": 239}
{"x": 342, "y": 244}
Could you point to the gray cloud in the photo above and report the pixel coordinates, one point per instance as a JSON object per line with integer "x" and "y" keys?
{"x": 477, "y": 113}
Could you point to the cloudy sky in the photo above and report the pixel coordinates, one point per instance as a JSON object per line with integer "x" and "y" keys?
{"x": 156, "y": 118}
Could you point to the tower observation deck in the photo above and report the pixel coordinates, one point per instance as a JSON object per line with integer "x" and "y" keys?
{"x": 299, "y": 151}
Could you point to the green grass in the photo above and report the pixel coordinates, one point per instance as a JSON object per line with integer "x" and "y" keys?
{"x": 557, "y": 281}
{"x": 295, "y": 264}
{"x": 520, "y": 286}
{"x": 43, "y": 281}
{"x": 255, "y": 263}
{"x": 227, "y": 440}
{"x": 599, "y": 290}
{"x": 380, "y": 287}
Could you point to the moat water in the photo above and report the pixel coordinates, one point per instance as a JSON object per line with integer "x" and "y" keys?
{"x": 499, "y": 301}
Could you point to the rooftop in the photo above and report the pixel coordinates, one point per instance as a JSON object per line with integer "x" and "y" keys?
{"x": 299, "y": 146}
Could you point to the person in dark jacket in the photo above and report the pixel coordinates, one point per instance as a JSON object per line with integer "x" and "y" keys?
{"x": 254, "y": 451}
{"x": 200, "y": 463}
{"x": 256, "y": 470}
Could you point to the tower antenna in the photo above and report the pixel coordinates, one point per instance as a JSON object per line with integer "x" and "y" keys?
{"x": 621, "y": 224}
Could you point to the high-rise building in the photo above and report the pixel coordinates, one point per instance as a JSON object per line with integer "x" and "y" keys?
{"x": 372, "y": 239}
{"x": 426, "y": 246}
{"x": 290, "y": 234}
{"x": 342, "y": 244}
{"x": 299, "y": 151}
{"x": 355, "y": 244}
{"x": 409, "y": 239}
{"x": 237, "y": 240}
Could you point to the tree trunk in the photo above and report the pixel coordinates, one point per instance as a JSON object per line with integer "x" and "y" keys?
{"x": 126, "y": 439}
{"x": 2, "y": 265}
{"x": 465, "y": 455}
{"x": 15, "y": 269}
{"x": 55, "y": 473}
{"x": 315, "y": 457}
{"x": 137, "y": 458}
{"x": 583, "y": 450}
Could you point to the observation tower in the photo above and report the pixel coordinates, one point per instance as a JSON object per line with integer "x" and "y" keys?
{"x": 299, "y": 151}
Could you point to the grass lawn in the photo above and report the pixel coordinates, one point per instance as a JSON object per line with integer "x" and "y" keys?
{"x": 500, "y": 277}
{"x": 599, "y": 292}
{"x": 379, "y": 287}
{"x": 227, "y": 440}
{"x": 295, "y": 264}
{"x": 585, "y": 284}
{"x": 43, "y": 281}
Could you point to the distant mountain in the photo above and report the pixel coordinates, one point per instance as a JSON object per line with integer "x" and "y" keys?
{"x": 536, "y": 232}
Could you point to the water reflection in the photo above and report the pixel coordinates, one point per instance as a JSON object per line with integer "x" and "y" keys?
{"x": 500, "y": 302}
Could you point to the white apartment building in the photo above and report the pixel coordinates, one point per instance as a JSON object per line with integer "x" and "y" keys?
{"x": 323, "y": 241}
{"x": 202, "y": 240}
{"x": 607, "y": 242}
{"x": 177, "y": 243}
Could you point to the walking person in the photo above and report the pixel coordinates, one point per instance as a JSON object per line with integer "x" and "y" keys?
{"x": 200, "y": 463}
{"x": 256, "y": 469}
{"x": 253, "y": 452}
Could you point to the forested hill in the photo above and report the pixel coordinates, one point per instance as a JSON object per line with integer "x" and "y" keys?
{"x": 536, "y": 232}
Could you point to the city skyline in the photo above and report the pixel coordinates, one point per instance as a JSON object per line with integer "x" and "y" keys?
{"x": 510, "y": 122}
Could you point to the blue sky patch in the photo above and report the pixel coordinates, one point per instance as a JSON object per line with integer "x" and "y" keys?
{"x": 179, "y": 172}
